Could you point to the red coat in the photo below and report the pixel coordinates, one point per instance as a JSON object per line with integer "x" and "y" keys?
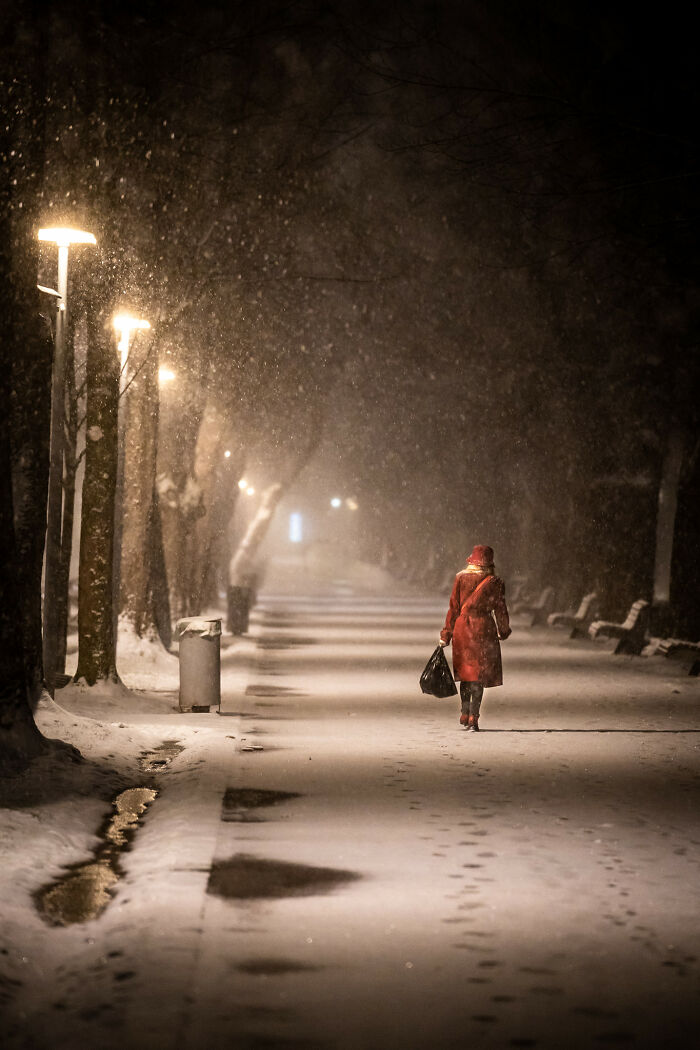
{"x": 474, "y": 626}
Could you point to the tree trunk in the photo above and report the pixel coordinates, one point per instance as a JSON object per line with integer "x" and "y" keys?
{"x": 25, "y": 369}
{"x": 140, "y": 407}
{"x": 527, "y": 530}
{"x": 30, "y": 457}
{"x": 159, "y": 579}
{"x": 168, "y": 502}
{"x": 178, "y": 495}
{"x": 242, "y": 565}
{"x": 27, "y": 336}
{"x": 20, "y": 740}
{"x": 20, "y": 577}
{"x": 216, "y": 476}
{"x": 96, "y": 642}
{"x": 218, "y": 537}
{"x": 191, "y": 509}
{"x": 666, "y": 525}
{"x": 176, "y": 523}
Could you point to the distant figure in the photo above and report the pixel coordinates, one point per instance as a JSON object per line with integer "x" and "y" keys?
{"x": 476, "y": 620}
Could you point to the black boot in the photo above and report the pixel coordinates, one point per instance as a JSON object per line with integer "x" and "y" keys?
{"x": 465, "y": 694}
{"x": 476, "y": 692}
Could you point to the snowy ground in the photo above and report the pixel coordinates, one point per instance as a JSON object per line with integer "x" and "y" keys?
{"x": 535, "y": 885}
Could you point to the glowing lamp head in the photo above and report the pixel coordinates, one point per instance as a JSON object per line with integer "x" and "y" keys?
{"x": 336, "y": 502}
{"x": 250, "y": 491}
{"x": 243, "y": 484}
{"x": 125, "y": 324}
{"x": 165, "y": 375}
{"x": 227, "y": 453}
{"x": 64, "y": 236}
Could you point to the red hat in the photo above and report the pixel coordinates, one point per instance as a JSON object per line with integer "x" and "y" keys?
{"x": 482, "y": 556}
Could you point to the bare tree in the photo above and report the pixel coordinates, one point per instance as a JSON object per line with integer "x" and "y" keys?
{"x": 96, "y": 642}
{"x": 25, "y": 368}
{"x": 27, "y": 337}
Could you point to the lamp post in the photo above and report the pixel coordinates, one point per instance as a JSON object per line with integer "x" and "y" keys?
{"x": 124, "y": 324}
{"x": 62, "y": 237}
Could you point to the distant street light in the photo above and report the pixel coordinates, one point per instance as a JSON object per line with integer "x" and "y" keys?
{"x": 243, "y": 484}
{"x": 62, "y": 237}
{"x": 165, "y": 375}
{"x": 336, "y": 502}
{"x": 296, "y": 533}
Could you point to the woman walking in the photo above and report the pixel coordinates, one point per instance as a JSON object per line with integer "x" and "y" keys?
{"x": 476, "y": 621}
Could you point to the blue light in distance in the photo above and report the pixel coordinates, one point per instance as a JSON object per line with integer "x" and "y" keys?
{"x": 295, "y": 529}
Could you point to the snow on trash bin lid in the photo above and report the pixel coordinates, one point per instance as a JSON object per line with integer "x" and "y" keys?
{"x": 198, "y": 625}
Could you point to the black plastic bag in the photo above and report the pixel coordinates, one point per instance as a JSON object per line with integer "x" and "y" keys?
{"x": 437, "y": 678}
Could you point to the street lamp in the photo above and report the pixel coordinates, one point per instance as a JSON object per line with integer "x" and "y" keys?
{"x": 125, "y": 324}
{"x": 62, "y": 237}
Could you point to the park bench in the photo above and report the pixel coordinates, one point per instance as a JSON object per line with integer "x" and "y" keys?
{"x": 631, "y": 634}
{"x": 580, "y": 621}
{"x": 538, "y": 610}
{"x": 670, "y": 646}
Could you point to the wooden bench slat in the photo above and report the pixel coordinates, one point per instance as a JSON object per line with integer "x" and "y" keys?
{"x": 631, "y": 632}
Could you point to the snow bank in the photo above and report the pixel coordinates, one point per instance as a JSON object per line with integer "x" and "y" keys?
{"x": 142, "y": 663}
{"x": 114, "y": 700}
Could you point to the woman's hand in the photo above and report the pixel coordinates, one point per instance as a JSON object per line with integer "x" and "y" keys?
{"x": 443, "y": 644}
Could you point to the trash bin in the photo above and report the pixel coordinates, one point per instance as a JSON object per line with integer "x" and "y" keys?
{"x": 200, "y": 663}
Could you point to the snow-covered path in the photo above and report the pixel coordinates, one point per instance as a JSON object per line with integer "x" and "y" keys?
{"x": 534, "y": 885}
